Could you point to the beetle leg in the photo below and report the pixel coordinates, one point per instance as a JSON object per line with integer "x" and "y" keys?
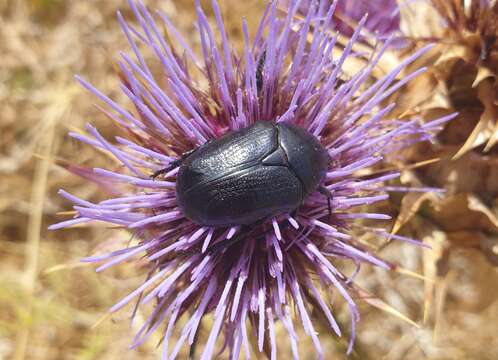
{"x": 324, "y": 191}
{"x": 243, "y": 232}
{"x": 191, "y": 350}
{"x": 259, "y": 71}
{"x": 173, "y": 164}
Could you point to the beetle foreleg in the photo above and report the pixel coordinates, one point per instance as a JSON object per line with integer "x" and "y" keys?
{"x": 324, "y": 191}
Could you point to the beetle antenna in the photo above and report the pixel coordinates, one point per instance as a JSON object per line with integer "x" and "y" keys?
{"x": 172, "y": 165}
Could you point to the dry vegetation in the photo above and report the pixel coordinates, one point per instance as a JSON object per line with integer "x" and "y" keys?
{"x": 50, "y": 302}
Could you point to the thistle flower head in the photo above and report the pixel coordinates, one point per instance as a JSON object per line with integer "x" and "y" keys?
{"x": 467, "y": 34}
{"x": 286, "y": 267}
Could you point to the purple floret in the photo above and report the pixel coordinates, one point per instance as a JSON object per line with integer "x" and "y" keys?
{"x": 288, "y": 266}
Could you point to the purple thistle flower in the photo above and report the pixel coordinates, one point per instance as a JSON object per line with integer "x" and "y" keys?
{"x": 383, "y": 16}
{"x": 281, "y": 77}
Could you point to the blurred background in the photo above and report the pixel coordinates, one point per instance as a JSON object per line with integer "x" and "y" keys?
{"x": 52, "y": 306}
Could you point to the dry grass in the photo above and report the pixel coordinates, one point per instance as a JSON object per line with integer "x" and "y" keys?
{"x": 50, "y": 302}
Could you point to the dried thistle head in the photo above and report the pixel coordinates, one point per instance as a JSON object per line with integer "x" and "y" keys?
{"x": 464, "y": 66}
{"x": 472, "y": 25}
{"x": 468, "y": 67}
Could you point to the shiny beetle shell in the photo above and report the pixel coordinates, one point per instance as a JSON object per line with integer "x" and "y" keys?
{"x": 255, "y": 173}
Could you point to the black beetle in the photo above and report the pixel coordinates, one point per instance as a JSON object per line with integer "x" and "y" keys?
{"x": 249, "y": 175}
